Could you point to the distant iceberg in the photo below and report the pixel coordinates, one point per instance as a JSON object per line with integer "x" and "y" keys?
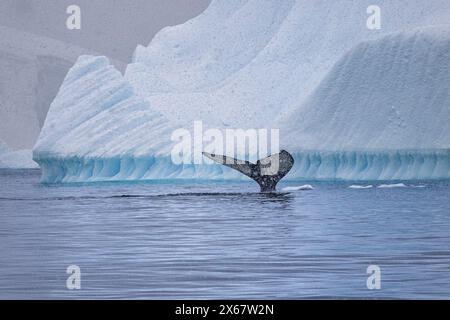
{"x": 20, "y": 159}
{"x": 32, "y": 69}
{"x": 348, "y": 108}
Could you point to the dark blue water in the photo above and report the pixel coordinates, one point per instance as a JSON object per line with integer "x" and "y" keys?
{"x": 221, "y": 240}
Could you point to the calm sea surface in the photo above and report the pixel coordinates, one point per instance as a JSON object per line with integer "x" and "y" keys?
{"x": 221, "y": 240}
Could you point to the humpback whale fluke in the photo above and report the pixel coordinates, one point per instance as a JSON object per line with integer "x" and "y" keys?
{"x": 266, "y": 172}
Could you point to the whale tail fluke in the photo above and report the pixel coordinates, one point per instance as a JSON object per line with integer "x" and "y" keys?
{"x": 266, "y": 172}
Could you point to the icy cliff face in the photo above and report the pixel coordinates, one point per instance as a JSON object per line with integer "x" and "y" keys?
{"x": 392, "y": 93}
{"x": 381, "y": 113}
{"x": 347, "y": 108}
{"x": 371, "y": 165}
{"x": 96, "y": 115}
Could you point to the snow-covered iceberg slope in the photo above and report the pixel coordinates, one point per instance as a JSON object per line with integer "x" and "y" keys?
{"x": 97, "y": 114}
{"x": 381, "y": 113}
{"x": 20, "y": 159}
{"x": 347, "y": 108}
{"x": 391, "y": 93}
{"x": 242, "y": 63}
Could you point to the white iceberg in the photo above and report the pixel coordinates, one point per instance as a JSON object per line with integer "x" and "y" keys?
{"x": 380, "y": 114}
{"x": 20, "y": 159}
{"x": 347, "y": 108}
{"x": 243, "y": 63}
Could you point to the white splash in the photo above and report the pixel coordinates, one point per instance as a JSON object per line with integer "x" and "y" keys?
{"x": 355, "y": 186}
{"x": 394, "y": 185}
{"x": 298, "y": 188}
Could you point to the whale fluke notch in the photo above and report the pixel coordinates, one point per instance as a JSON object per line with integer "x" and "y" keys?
{"x": 267, "y": 172}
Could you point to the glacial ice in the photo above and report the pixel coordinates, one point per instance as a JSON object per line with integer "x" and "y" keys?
{"x": 347, "y": 108}
{"x": 243, "y": 63}
{"x": 381, "y": 113}
{"x": 3, "y": 147}
{"x": 98, "y": 129}
{"x": 20, "y": 159}
{"x": 386, "y": 94}
{"x": 371, "y": 165}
